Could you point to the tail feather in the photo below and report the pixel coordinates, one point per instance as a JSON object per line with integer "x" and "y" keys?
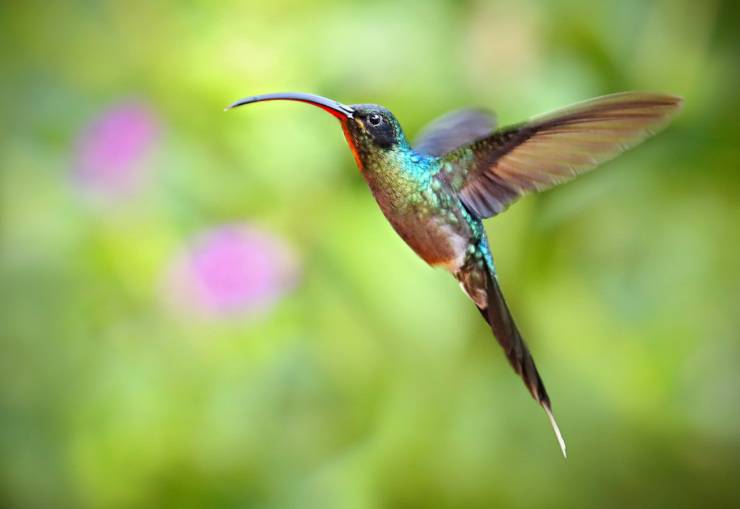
{"x": 497, "y": 314}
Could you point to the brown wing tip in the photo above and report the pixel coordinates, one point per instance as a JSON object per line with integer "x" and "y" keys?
{"x": 675, "y": 102}
{"x": 657, "y": 98}
{"x": 667, "y": 104}
{"x": 670, "y": 102}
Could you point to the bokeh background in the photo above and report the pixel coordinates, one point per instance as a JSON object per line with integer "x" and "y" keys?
{"x": 207, "y": 309}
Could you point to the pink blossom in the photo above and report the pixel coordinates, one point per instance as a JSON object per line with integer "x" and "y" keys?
{"x": 233, "y": 269}
{"x": 112, "y": 151}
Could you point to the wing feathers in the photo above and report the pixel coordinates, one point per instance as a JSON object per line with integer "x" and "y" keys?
{"x": 555, "y": 147}
{"x": 453, "y": 130}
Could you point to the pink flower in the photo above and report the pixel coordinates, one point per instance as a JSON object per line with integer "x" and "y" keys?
{"x": 113, "y": 149}
{"x": 233, "y": 269}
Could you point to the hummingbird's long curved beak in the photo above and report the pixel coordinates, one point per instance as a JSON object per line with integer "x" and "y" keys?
{"x": 339, "y": 110}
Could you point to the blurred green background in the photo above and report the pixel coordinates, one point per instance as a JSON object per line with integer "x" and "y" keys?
{"x": 202, "y": 309}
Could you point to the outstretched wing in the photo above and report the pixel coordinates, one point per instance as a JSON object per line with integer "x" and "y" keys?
{"x": 553, "y": 148}
{"x": 454, "y": 130}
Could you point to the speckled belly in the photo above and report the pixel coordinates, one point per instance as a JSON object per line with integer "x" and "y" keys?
{"x": 424, "y": 213}
{"x": 436, "y": 237}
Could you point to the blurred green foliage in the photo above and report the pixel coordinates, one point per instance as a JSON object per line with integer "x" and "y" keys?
{"x": 372, "y": 383}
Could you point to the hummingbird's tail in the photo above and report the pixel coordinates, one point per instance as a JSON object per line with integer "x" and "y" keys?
{"x": 497, "y": 314}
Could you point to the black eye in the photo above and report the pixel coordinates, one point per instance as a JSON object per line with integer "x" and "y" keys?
{"x": 375, "y": 119}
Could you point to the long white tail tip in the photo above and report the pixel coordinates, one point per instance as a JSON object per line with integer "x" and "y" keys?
{"x": 556, "y": 429}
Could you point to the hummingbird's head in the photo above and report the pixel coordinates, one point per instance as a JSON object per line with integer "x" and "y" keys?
{"x": 371, "y": 130}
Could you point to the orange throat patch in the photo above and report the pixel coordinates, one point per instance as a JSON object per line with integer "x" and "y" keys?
{"x": 351, "y": 144}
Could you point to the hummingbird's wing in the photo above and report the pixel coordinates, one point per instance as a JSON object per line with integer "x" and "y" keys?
{"x": 453, "y": 130}
{"x": 554, "y": 148}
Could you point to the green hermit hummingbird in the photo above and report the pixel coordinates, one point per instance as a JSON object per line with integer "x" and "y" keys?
{"x": 462, "y": 169}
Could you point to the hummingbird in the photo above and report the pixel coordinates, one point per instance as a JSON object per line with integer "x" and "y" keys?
{"x": 462, "y": 169}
